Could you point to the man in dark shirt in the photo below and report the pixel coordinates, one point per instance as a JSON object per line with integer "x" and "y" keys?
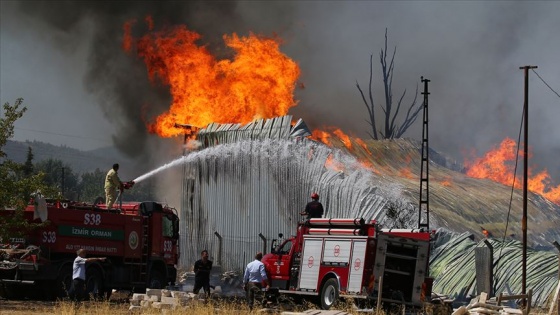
{"x": 202, "y": 268}
{"x": 313, "y": 209}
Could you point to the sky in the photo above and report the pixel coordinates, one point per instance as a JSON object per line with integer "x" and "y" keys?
{"x": 65, "y": 59}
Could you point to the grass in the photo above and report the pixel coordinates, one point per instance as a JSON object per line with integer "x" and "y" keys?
{"x": 210, "y": 307}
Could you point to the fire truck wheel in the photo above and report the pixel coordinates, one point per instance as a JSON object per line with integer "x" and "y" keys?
{"x": 329, "y": 294}
{"x": 63, "y": 282}
{"x": 94, "y": 283}
{"x": 157, "y": 280}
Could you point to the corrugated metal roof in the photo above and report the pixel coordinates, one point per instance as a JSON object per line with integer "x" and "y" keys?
{"x": 452, "y": 264}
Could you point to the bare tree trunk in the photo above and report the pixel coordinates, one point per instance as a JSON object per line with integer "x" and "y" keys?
{"x": 391, "y": 128}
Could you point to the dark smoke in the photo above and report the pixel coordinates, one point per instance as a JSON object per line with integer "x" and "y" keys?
{"x": 120, "y": 81}
{"x": 470, "y": 50}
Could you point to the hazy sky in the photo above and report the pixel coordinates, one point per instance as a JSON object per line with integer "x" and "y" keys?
{"x": 65, "y": 60}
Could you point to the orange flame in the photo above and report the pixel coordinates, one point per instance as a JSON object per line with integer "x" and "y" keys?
{"x": 321, "y": 136}
{"x": 447, "y": 182}
{"x": 324, "y": 136}
{"x": 369, "y": 165}
{"x": 333, "y": 164}
{"x": 344, "y": 138}
{"x": 406, "y": 173}
{"x": 362, "y": 143}
{"x": 258, "y": 83}
{"x": 498, "y": 165}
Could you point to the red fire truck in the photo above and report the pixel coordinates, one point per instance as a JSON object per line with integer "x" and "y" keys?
{"x": 332, "y": 258}
{"x": 140, "y": 241}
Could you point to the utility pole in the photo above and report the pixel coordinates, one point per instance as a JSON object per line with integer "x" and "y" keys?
{"x": 525, "y": 177}
{"x": 424, "y": 206}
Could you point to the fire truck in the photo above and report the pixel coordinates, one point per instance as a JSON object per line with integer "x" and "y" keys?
{"x": 332, "y": 258}
{"x": 139, "y": 240}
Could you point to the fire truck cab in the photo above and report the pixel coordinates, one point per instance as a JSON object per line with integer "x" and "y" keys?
{"x": 330, "y": 258}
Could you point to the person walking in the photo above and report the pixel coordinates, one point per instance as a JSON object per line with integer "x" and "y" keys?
{"x": 112, "y": 183}
{"x": 77, "y": 288}
{"x": 313, "y": 209}
{"x": 254, "y": 278}
{"x": 202, "y": 269}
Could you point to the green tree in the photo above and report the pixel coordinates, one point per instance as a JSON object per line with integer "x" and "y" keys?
{"x": 15, "y": 190}
{"x": 91, "y": 185}
{"x": 59, "y": 174}
{"x": 146, "y": 190}
{"x": 28, "y": 166}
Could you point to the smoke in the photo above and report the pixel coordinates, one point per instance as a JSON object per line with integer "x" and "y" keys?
{"x": 119, "y": 81}
{"x": 471, "y": 52}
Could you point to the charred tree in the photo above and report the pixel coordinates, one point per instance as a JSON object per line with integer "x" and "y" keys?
{"x": 391, "y": 127}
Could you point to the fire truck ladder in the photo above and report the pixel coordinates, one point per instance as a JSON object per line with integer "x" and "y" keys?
{"x": 424, "y": 206}
{"x": 145, "y": 249}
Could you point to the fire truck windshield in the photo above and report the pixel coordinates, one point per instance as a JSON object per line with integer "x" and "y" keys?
{"x": 170, "y": 226}
{"x": 284, "y": 248}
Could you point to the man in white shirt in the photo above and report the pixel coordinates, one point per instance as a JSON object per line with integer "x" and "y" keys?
{"x": 254, "y": 278}
{"x": 79, "y": 275}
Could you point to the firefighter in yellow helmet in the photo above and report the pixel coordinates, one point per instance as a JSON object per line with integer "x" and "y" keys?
{"x": 112, "y": 183}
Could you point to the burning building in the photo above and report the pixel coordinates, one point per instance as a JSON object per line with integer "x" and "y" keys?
{"x": 250, "y": 182}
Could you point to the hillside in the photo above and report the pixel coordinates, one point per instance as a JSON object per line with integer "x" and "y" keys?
{"x": 80, "y": 161}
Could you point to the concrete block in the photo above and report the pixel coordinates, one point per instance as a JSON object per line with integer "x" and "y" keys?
{"x": 154, "y": 298}
{"x": 135, "y": 302}
{"x": 138, "y": 297}
{"x": 460, "y": 311}
{"x": 134, "y": 308}
{"x": 165, "y": 292}
{"x": 161, "y": 306}
{"x": 169, "y": 300}
{"x": 146, "y": 303}
{"x": 153, "y": 292}
{"x": 179, "y": 294}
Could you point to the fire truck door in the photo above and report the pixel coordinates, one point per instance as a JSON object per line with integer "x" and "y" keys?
{"x": 310, "y": 263}
{"x": 357, "y": 266}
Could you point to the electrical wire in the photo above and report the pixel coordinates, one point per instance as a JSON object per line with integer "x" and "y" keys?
{"x": 60, "y": 134}
{"x": 546, "y": 83}
{"x": 513, "y": 183}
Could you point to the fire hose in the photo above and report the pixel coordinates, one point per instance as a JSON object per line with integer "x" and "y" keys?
{"x": 124, "y": 185}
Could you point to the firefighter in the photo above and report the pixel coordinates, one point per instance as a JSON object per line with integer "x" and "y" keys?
{"x": 112, "y": 183}
{"x": 313, "y": 209}
{"x": 202, "y": 269}
{"x": 254, "y": 278}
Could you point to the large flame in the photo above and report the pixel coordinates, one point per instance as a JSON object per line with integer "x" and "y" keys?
{"x": 258, "y": 82}
{"x": 498, "y": 165}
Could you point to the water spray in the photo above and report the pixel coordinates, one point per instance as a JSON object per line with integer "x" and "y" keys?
{"x": 160, "y": 169}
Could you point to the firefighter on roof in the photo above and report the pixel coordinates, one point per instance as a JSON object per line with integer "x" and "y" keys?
{"x": 313, "y": 209}
{"x": 112, "y": 183}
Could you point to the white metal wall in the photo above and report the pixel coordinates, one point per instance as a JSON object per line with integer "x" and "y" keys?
{"x": 243, "y": 188}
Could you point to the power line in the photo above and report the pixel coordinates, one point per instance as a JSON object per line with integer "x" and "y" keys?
{"x": 60, "y": 134}
{"x": 546, "y": 83}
